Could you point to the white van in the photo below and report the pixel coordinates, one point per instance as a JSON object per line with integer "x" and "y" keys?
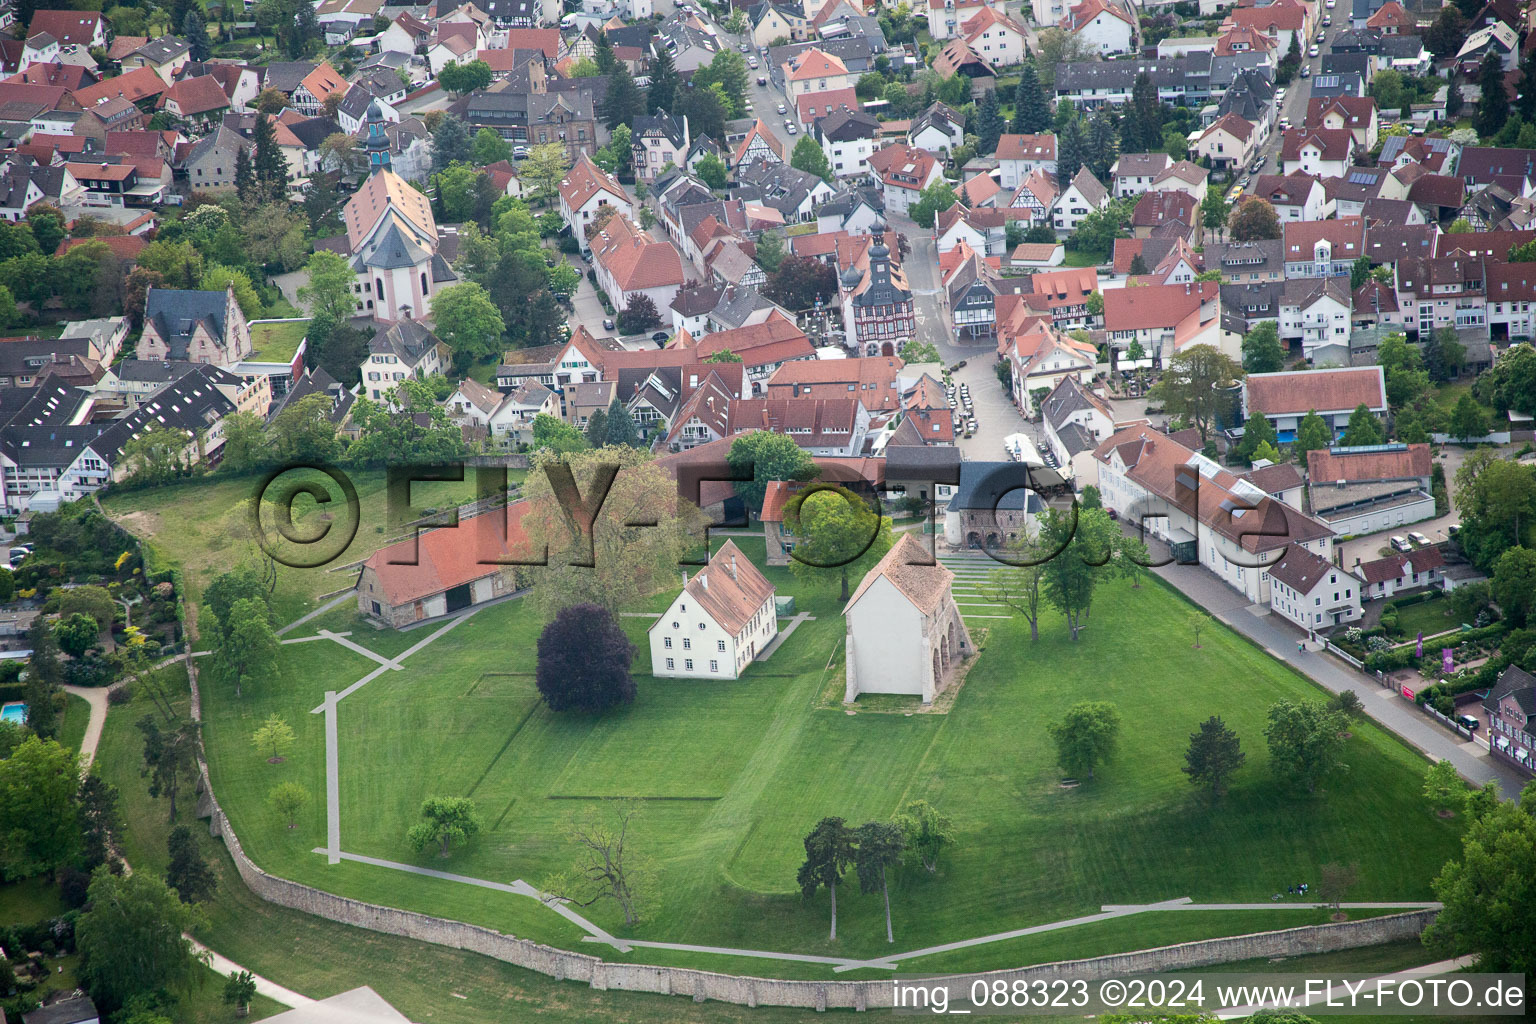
{"x": 1401, "y": 544}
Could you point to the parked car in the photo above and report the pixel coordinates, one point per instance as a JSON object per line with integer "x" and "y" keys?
{"x": 608, "y": 324}
{"x": 1401, "y": 544}
{"x": 789, "y": 127}
{"x": 518, "y": 152}
{"x": 1306, "y": 71}
{"x": 1313, "y": 51}
{"x": 1280, "y": 95}
{"x": 1419, "y": 539}
{"x": 1327, "y": 20}
{"x": 1468, "y": 722}
{"x": 783, "y": 109}
{"x": 752, "y": 63}
{"x": 1256, "y": 166}
{"x": 762, "y": 80}
{"x": 744, "y": 48}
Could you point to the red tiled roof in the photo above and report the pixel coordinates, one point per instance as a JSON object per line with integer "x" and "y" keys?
{"x": 1165, "y": 305}
{"x": 585, "y": 180}
{"x": 730, "y": 589}
{"x": 1345, "y": 234}
{"x": 124, "y": 247}
{"x": 198, "y": 95}
{"x": 1026, "y": 147}
{"x": 136, "y": 86}
{"x": 634, "y": 259}
{"x": 1325, "y": 466}
{"x": 1295, "y": 393}
{"x": 546, "y": 39}
{"x": 69, "y": 27}
{"x": 1330, "y": 143}
{"x": 448, "y": 558}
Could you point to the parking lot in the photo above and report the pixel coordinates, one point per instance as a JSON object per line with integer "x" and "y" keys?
{"x": 996, "y": 417}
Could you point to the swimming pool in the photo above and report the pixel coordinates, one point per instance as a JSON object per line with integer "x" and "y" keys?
{"x": 16, "y": 713}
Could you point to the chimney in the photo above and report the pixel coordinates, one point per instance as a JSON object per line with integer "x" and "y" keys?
{"x": 733, "y": 567}
{"x": 703, "y": 578}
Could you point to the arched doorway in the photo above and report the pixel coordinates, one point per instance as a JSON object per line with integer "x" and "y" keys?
{"x": 973, "y": 540}
{"x": 991, "y": 541}
{"x": 887, "y": 349}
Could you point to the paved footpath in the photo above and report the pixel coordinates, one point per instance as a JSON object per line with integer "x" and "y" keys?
{"x": 96, "y": 696}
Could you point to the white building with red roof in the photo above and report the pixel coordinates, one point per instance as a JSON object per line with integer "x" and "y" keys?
{"x": 995, "y": 37}
{"x": 719, "y": 624}
{"x": 1323, "y": 248}
{"x": 812, "y": 71}
{"x": 586, "y": 189}
{"x": 1357, "y": 113}
{"x": 629, "y": 262}
{"x": 1102, "y": 27}
{"x": 1204, "y": 512}
{"x": 904, "y": 172}
{"x": 1229, "y": 141}
{"x": 1312, "y": 592}
{"x": 945, "y": 17}
{"x": 1287, "y": 22}
{"x": 1325, "y": 152}
{"x": 1165, "y": 319}
{"x": 1019, "y": 155}
{"x": 759, "y": 145}
{"x": 1383, "y": 577}
{"x": 84, "y": 29}
{"x": 905, "y": 634}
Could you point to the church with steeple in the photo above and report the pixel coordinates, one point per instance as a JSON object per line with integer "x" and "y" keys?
{"x": 392, "y": 240}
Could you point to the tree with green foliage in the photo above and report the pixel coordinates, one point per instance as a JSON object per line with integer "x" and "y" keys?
{"x": 1514, "y": 584}
{"x": 596, "y": 431}
{"x": 1305, "y": 741}
{"x": 725, "y": 355}
{"x": 544, "y": 168}
{"x": 186, "y": 871}
{"x": 469, "y": 323}
{"x": 1087, "y": 541}
{"x": 989, "y": 122}
{"x": 1363, "y": 428}
{"x": 1443, "y": 354}
{"x": 1252, "y": 219}
{"x": 705, "y": 109}
{"x": 239, "y": 990}
{"x": 1493, "y": 106}
{"x": 711, "y": 169}
{"x": 1188, "y": 386}
{"x": 460, "y": 79}
{"x": 1257, "y": 432}
{"x": 621, "y": 425}
{"x": 926, "y": 833}
{"x": 1214, "y": 755}
{"x": 1262, "y": 351}
{"x": 1312, "y": 434}
{"x": 76, "y": 634}
{"x": 273, "y": 737}
{"x": 268, "y": 164}
{"x": 1146, "y": 114}
{"x": 770, "y": 250}
{"x": 132, "y": 939}
{"x": 490, "y": 147}
{"x": 1497, "y": 501}
{"x": 728, "y": 70}
{"x": 1511, "y": 382}
{"x": 663, "y": 88}
{"x": 762, "y": 455}
{"x": 48, "y": 226}
{"x": 1031, "y": 115}
{"x": 828, "y": 854}
{"x": 1467, "y": 418}
{"x": 915, "y": 351}
{"x": 1102, "y": 145}
{"x": 1071, "y": 147}
{"x": 247, "y": 648}
{"x": 1488, "y": 900}
{"x": 170, "y": 758}
{"x": 838, "y": 533}
{"x": 445, "y": 820}
{"x": 1215, "y": 210}
{"x": 1085, "y": 737}
{"x": 450, "y": 143}
{"x": 39, "y": 832}
{"x": 931, "y": 202}
{"x": 878, "y": 845}
{"x": 1443, "y": 788}
{"x": 810, "y": 158}
{"x": 287, "y": 800}
{"x": 555, "y": 434}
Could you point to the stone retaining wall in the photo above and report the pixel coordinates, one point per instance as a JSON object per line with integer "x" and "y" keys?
{"x": 747, "y": 991}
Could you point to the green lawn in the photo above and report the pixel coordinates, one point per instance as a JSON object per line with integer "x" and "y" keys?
{"x": 1080, "y": 259}
{"x": 277, "y": 342}
{"x": 76, "y": 714}
{"x": 731, "y": 776}
{"x": 203, "y": 526}
{"x": 1432, "y": 617}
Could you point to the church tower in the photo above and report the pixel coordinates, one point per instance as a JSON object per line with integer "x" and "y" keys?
{"x": 377, "y": 145}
